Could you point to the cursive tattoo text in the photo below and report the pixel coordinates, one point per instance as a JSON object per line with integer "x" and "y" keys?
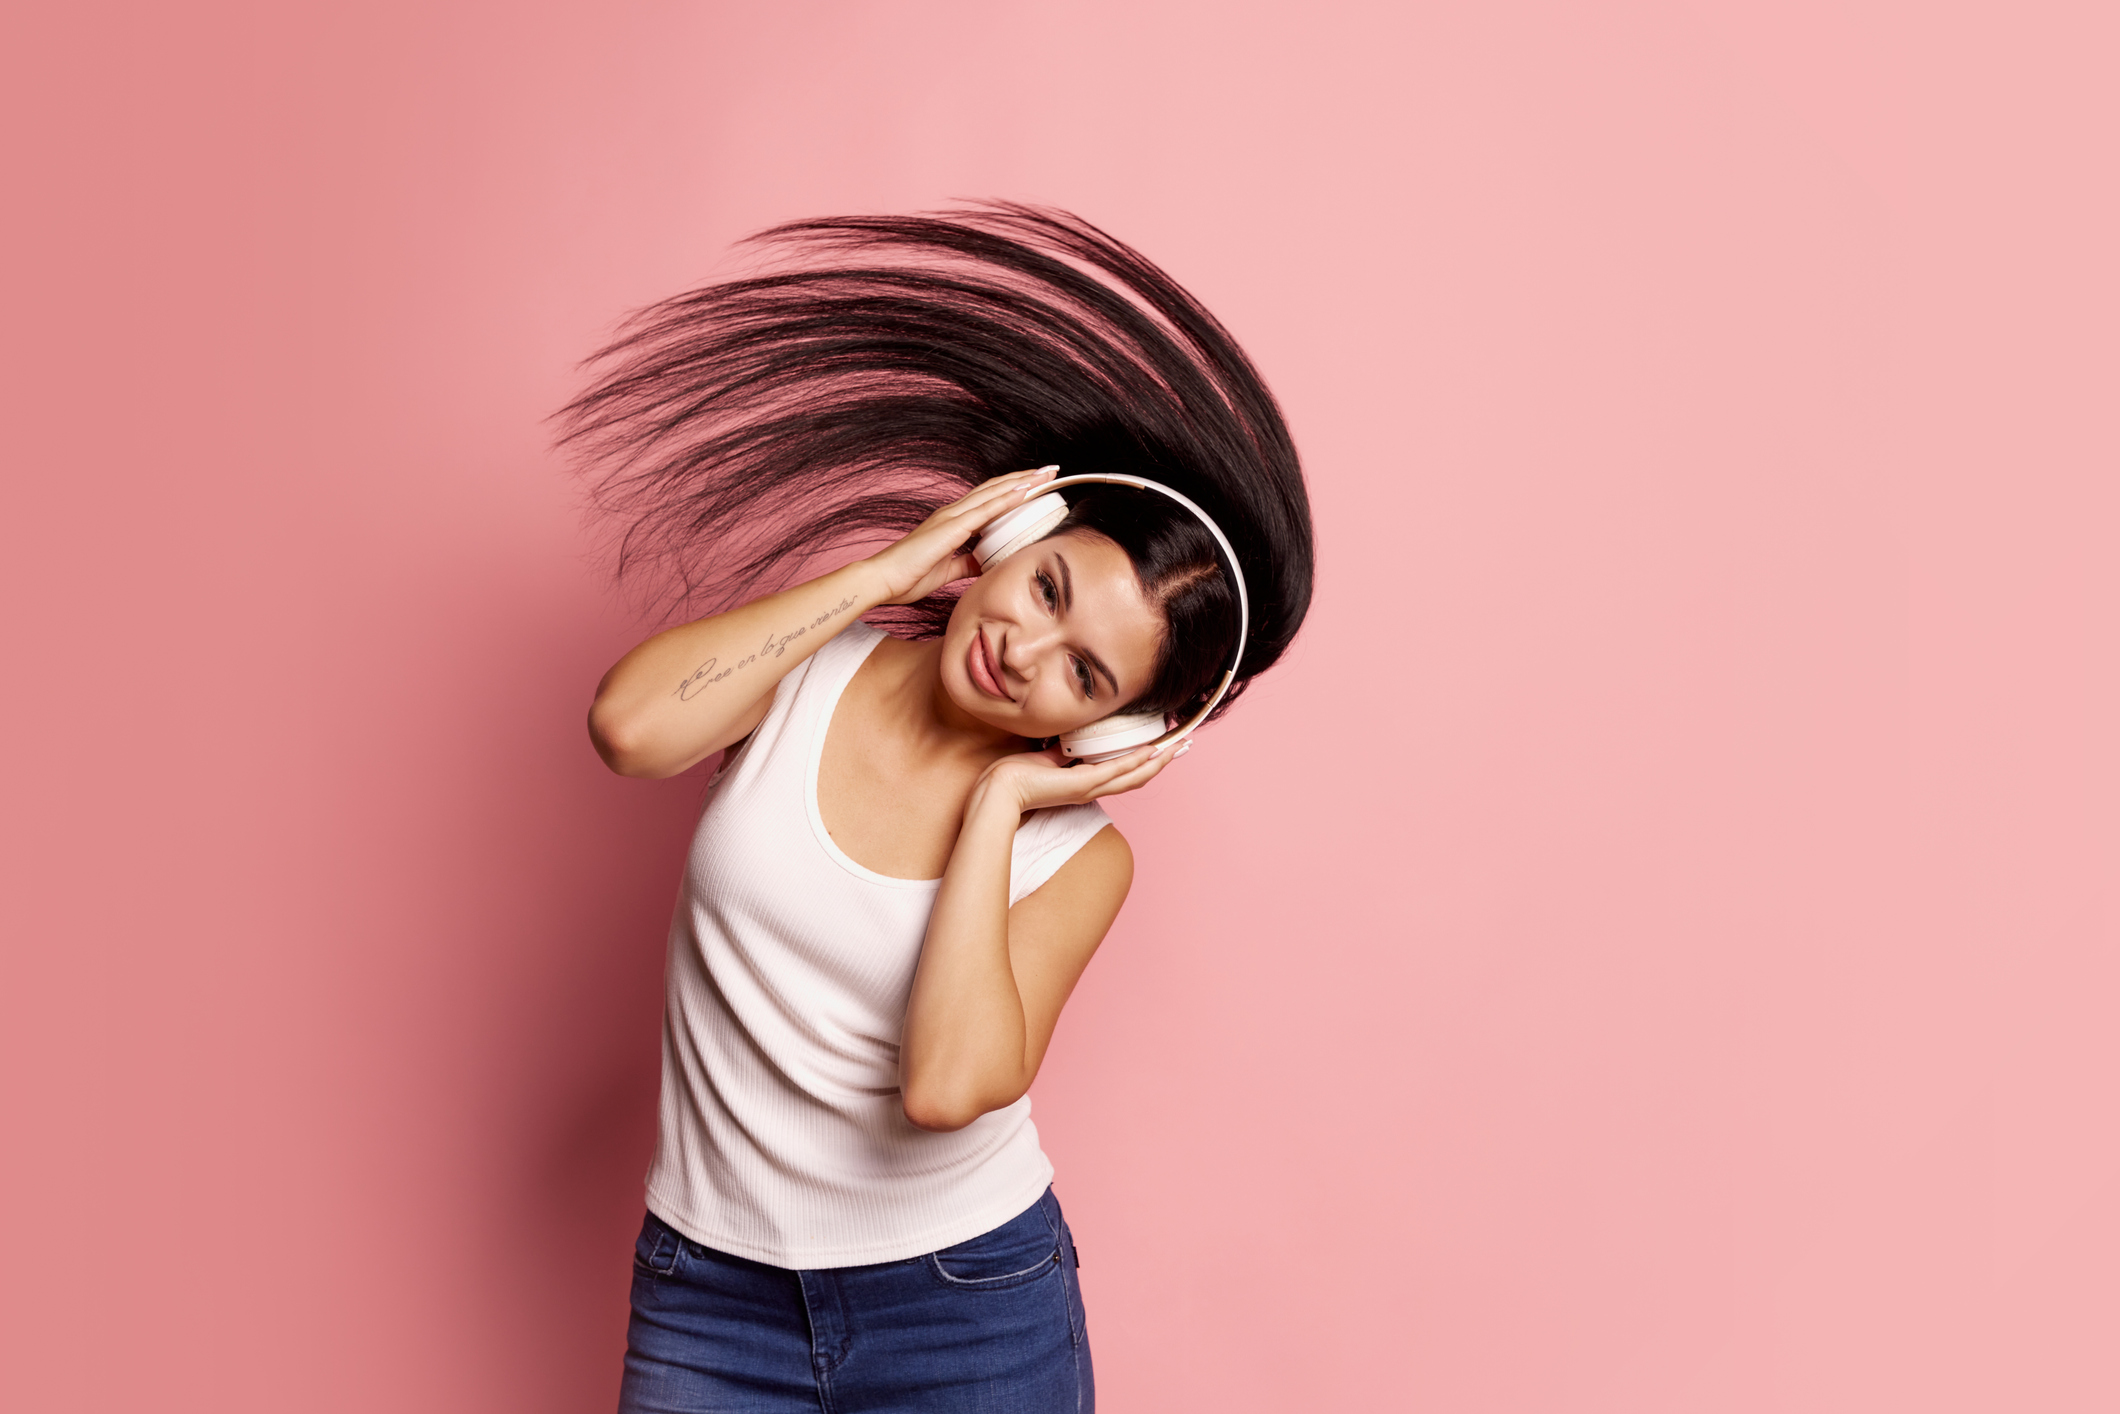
{"x": 710, "y": 672}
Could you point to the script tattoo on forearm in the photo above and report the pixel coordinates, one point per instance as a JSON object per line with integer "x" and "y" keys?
{"x": 710, "y": 672}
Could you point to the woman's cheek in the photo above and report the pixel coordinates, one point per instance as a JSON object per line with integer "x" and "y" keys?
{"x": 1065, "y": 714}
{"x": 1056, "y": 711}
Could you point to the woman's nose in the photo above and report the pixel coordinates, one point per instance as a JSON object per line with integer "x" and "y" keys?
{"x": 1021, "y": 650}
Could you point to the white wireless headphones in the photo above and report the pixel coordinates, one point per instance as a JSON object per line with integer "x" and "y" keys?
{"x": 1033, "y": 521}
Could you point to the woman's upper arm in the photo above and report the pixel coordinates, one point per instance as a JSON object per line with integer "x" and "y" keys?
{"x": 1055, "y": 930}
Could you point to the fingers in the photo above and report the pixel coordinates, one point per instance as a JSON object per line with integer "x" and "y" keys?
{"x": 940, "y": 545}
{"x": 1136, "y": 769}
{"x": 1083, "y": 780}
{"x": 1130, "y": 781}
{"x": 1000, "y": 494}
{"x": 1004, "y": 492}
{"x": 1075, "y": 782}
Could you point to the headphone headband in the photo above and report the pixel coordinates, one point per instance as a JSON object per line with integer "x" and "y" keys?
{"x": 1036, "y": 518}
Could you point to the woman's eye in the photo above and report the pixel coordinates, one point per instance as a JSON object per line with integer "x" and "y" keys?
{"x": 1046, "y": 591}
{"x": 1082, "y": 675}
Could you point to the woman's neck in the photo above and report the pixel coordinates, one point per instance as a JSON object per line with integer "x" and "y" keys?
{"x": 912, "y": 695}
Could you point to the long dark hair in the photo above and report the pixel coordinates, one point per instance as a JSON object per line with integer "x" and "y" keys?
{"x": 737, "y": 432}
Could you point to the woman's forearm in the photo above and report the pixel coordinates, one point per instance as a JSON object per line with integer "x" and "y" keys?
{"x": 965, "y": 1047}
{"x": 692, "y": 690}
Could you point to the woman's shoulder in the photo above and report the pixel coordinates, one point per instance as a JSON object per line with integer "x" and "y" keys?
{"x": 1096, "y": 833}
{"x": 1047, "y": 839}
{"x": 1058, "y": 822}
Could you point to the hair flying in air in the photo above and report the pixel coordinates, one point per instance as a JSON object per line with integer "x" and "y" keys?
{"x": 887, "y": 364}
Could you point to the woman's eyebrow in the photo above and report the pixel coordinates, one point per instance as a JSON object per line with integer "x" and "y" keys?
{"x": 1067, "y": 601}
{"x": 1097, "y": 664}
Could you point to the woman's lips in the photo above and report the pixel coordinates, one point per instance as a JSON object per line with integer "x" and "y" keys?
{"x": 985, "y": 675}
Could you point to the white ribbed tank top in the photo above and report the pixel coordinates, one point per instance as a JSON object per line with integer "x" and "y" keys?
{"x": 782, "y": 1135}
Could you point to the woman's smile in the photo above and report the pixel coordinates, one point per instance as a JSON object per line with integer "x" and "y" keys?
{"x": 984, "y": 668}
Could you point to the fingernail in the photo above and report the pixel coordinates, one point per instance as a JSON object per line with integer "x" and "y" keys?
{"x": 1157, "y": 749}
{"x": 1182, "y": 750}
{"x": 1048, "y": 470}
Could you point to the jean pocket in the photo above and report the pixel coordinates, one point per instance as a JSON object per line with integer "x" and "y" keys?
{"x": 657, "y": 1248}
{"x": 1021, "y": 1250}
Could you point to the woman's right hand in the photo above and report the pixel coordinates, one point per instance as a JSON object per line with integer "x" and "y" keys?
{"x": 929, "y": 557}
{"x": 691, "y": 690}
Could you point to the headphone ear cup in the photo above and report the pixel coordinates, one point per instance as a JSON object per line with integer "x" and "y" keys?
{"x": 1113, "y": 736}
{"x": 1030, "y": 522}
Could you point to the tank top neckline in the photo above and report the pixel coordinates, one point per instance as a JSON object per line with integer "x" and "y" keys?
{"x": 820, "y": 727}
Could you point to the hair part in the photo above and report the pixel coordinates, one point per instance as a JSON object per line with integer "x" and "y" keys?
{"x": 1181, "y": 575}
{"x": 735, "y": 434}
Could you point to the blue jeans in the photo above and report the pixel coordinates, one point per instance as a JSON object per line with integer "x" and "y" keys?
{"x": 994, "y": 1324}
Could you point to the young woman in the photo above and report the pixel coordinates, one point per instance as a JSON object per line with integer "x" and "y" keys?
{"x": 899, "y": 875}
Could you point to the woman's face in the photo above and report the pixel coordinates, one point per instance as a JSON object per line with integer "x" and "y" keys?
{"x": 1054, "y": 637}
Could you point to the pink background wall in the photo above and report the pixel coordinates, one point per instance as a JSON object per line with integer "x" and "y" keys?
{"x": 1652, "y": 948}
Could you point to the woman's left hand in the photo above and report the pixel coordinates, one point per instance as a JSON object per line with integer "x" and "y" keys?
{"x": 1035, "y": 780}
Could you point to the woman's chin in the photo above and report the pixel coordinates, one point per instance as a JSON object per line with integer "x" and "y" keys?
{"x": 973, "y": 703}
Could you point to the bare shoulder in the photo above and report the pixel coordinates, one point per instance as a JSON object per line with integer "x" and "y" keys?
{"x": 1057, "y": 926}
{"x": 1106, "y": 851}
{"x": 1099, "y": 873}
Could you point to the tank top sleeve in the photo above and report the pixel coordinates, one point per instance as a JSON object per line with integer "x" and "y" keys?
{"x": 1046, "y": 840}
